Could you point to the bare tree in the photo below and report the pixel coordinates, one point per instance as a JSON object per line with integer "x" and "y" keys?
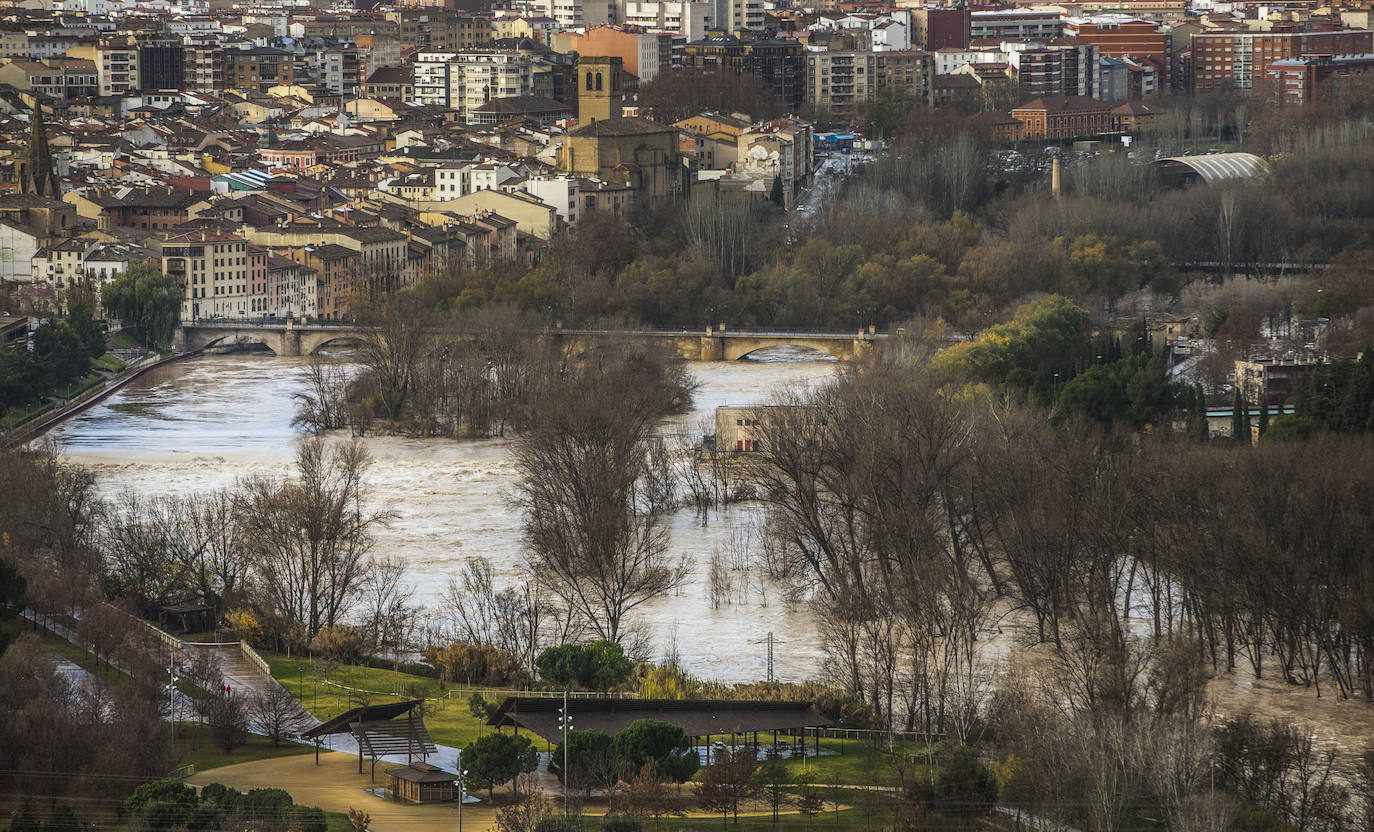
{"x": 309, "y": 538}
{"x": 275, "y": 714}
{"x": 391, "y": 353}
{"x": 226, "y": 712}
{"x": 386, "y": 600}
{"x": 590, "y": 489}
{"x": 323, "y": 404}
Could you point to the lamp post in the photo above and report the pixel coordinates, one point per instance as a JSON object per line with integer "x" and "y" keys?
{"x": 565, "y": 723}
{"x": 462, "y": 773}
{"x": 172, "y": 700}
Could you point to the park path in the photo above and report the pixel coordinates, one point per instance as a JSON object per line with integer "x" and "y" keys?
{"x": 243, "y": 676}
{"x": 336, "y": 786}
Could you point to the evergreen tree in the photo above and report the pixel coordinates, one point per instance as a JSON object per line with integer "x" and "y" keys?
{"x": 63, "y": 819}
{"x": 1264, "y": 414}
{"x": 1240, "y": 419}
{"x": 775, "y": 195}
{"x": 25, "y": 822}
{"x": 1197, "y": 415}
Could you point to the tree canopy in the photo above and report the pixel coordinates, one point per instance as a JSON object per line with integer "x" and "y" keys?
{"x": 601, "y": 665}
{"x": 493, "y": 759}
{"x": 147, "y": 301}
{"x": 647, "y": 741}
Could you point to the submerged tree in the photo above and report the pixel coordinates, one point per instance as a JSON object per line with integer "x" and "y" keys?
{"x": 596, "y": 487}
{"x": 308, "y": 538}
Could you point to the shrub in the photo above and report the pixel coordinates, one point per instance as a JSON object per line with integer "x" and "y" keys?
{"x": 620, "y": 822}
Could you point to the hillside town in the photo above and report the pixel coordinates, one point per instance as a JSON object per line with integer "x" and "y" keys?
{"x": 272, "y": 155}
{"x": 768, "y": 415}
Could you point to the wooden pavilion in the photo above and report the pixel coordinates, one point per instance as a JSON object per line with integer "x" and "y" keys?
{"x": 380, "y": 730}
{"x": 702, "y": 720}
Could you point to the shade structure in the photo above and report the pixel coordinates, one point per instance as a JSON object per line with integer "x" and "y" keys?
{"x": 696, "y": 717}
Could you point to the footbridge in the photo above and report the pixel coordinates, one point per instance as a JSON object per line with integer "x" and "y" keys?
{"x": 302, "y": 337}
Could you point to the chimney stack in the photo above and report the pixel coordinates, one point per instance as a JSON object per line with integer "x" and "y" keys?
{"x": 1054, "y": 177}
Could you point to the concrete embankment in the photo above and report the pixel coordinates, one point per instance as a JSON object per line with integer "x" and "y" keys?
{"x": 29, "y": 432}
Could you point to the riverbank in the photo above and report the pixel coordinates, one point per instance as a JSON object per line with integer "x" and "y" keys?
{"x": 94, "y": 394}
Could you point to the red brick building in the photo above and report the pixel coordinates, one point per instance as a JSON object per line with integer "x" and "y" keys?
{"x": 1304, "y": 80}
{"x": 1122, "y": 36}
{"x": 1238, "y": 60}
{"x": 1063, "y": 117}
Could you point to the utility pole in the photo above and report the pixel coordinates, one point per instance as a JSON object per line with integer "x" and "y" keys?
{"x": 770, "y": 641}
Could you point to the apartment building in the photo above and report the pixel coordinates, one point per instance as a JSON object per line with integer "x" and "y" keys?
{"x": 641, "y": 52}
{"x": 1304, "y": 80}
{"x": 203, "y": 68}
{"x": 1238, "y": 60}
{"x": 1015, "y": 24}
{"x": 1122, "y": 36}
{"x": 258, "y": 69}
{"x": 116, "y": 64}
{"x": 689, "y": 18}
{"x": 438, "y": 30}
{"x": 1062, "y": 69}
{"x": 212, "y": 269}
{"x": 843, "y": 82}
{"x": 464, "y": 81}
{"x": 779, "y": 64}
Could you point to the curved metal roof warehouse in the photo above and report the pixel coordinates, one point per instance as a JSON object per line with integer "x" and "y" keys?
{"x": 1213, "y": 167}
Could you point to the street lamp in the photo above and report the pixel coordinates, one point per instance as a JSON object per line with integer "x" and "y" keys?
{"x": 565, "y": 724}
{"x": 462, "y": 773}
{"x": 172, "y": 699}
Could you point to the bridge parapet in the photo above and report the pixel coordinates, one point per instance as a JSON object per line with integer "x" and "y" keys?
{"x": 291, "y": 338}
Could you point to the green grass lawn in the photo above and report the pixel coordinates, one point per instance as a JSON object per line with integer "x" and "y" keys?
{"x": 78, "y": 386}
{"x": 124, "y": 341}
{"x": 446, "y": 711}
{"x": 108, "y": 362}
{"x": 16, "y": 416}
{"x": 855, "y": 762}
{"x": 195, "y": 746}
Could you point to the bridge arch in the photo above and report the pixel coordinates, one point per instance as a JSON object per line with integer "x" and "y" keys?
{"x": 268, "y": 340}
{"x": 736, "y": 349}
{"x": 312, "y": 343}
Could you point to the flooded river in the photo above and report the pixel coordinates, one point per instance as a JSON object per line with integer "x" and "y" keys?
{"x": 201, "y": 424}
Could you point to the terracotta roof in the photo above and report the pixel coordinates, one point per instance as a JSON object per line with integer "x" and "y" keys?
{"x": 1062, "y": 104}
{"x": 622, "y": 127}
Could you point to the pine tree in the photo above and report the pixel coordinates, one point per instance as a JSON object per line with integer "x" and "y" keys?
{"x": 1240, "y": 419}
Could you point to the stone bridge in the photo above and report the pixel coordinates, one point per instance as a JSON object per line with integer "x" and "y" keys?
{"x": 292, "y": 338}
{"x": 287, "y": 338}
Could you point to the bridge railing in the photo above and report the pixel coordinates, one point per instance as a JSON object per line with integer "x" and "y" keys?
{"x": 266, "y": 323}
{"x": 313, "y": 323}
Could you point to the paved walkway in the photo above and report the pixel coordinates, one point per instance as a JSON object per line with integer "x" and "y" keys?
{"x": 336, "y": 786}
{"x": 242, "y": 676}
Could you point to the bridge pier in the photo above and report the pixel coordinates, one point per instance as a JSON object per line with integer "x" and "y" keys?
{"x": 179, "y": 340}
{"x": 712, "y": 347}
{"x": 290, "y": 343}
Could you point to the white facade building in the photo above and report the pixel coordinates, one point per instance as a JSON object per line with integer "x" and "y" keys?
{"x": 689, "y": 18}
